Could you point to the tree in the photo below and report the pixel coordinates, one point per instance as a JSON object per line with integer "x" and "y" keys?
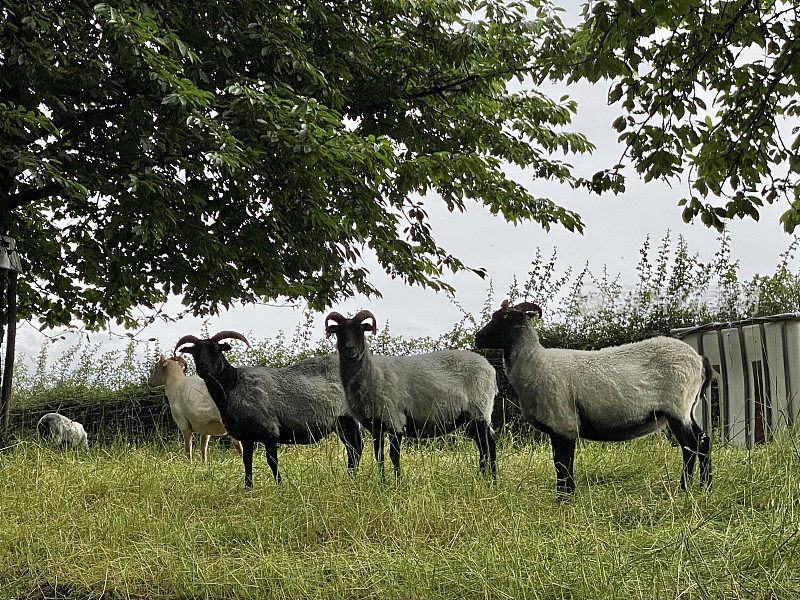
{"x": 242, "y": 151}
{"x": 709, "y": 89}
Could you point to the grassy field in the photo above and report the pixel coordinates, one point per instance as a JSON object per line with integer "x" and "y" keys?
{"x": 135, "y": 520}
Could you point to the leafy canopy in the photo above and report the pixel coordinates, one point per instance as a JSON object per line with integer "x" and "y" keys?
{"x": 250, "y": 150}
{"x": 709, "y": 91}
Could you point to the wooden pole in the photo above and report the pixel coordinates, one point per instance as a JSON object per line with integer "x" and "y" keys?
{"x": 11, "y": 343}
{"x": 3, "y": 315}
{"x": 2, "y": 306}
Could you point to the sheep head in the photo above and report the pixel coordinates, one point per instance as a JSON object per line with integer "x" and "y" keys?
{"x": 350, "y": 339}
{"x": 208, "y": 354}
{"x": 158, "y": 375}
{"x": 497, "y": 333}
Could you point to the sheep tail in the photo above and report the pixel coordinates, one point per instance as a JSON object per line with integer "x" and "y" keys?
{"x": 708, "y": 373}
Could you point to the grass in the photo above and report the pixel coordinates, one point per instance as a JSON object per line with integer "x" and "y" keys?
{"x": 135, "y": 520}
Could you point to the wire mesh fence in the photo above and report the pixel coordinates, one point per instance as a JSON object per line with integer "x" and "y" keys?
{"x": 135, "y": 412}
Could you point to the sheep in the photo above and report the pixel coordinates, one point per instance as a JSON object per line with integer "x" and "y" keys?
{"x": 62, "y": 432}
{"x": 298, "y": 404}
{"x": 191, "y": 405}
{"x": 613, "y": 394}
{"x": 419, "y": 396}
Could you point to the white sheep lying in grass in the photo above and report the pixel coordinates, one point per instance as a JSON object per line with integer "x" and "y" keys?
{"x": 62, "y": 432}
{"x": 191, "y": 405}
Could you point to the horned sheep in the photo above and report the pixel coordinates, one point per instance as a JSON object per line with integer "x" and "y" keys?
{"x": 191, "y": 405}
{"x": 298, "y": 404}
{"x": 616, "y": 393}
{"x": 423, "y": 395}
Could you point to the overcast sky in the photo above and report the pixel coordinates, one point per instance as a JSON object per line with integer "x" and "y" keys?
{"x": 615, "y": 227}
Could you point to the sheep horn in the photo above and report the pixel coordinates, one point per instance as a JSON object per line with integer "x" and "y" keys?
{"x": 181, "y": 361}
{"x": 365, "y": 314}
{"x": 529, "y": 307}
{"x": 227, "y": 334}
{"x": 333, "y": 316}
{"x": 504, "y": 305}
{"x": 187, "y": 339}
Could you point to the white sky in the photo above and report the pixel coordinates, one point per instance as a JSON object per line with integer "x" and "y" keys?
{"x": 616, "y": 226}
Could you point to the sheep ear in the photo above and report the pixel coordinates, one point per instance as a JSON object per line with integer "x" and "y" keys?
{"x": 369, "y": 327}
{"x": 225, "y": 347}
{"x": 330, "y": 330}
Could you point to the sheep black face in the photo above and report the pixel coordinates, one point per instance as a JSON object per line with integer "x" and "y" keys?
{"x": 350, "y": 339}
{"x": 498, "y": 332}
{"x": 208, "y": 354}
{"x": 208, "y": 357}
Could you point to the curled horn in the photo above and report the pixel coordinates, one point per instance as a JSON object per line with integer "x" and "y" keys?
{"x": 504, "y": 305}
{"x": 187, "y": 339}
{"x": 227, "y": 334}
{"x": 529, "y": 307}
{"x": 181, "y": 361}
{"x": 333, "y": 316}
{"x": 365, "y": 314}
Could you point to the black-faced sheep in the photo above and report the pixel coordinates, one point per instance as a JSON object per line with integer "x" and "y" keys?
{"x": 616, "y": 393}
{"x": 191, "y": 405}
{"x": 298, "y": 404}
{"x": 419, "y": 396}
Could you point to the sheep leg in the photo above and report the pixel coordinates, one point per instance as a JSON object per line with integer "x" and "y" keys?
{"x": 377, "y": 445}
{"x": 492, "y": 453}
{"x": 204, "y": 445}
{"x": 348, "y": 432}
{"x": 703, "y": 450}
{"x": 563, "y": 458}
{"x": 689, "y": 437}
{"x": 247, "y": 458}
{"x": 482, "y": 434}
{"x": 705, "y": 466}
{"x": 394, "y": 451}
{"x": 187, "y": 443}
{"x": 237, "y": 444}
{"x": 272, "y": 458}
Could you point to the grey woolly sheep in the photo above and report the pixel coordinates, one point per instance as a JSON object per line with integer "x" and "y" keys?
{"x": 419, "y": 396}
{"x": 616, "y": 393}
{"x": 60, "y": 431}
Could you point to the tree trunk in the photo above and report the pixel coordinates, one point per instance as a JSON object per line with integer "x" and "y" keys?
{"x": 3, "y": 279}
{"x": 11, "y": 342}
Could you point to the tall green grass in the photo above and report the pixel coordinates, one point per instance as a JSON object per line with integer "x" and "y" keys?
{"x": 135, "y": 520}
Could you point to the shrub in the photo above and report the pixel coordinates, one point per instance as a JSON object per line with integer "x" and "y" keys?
{"x": 581, "y": 310}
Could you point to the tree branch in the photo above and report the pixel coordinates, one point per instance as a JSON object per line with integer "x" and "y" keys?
{"x": 29, "y": 195}
{"x": 453, "y": 86}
